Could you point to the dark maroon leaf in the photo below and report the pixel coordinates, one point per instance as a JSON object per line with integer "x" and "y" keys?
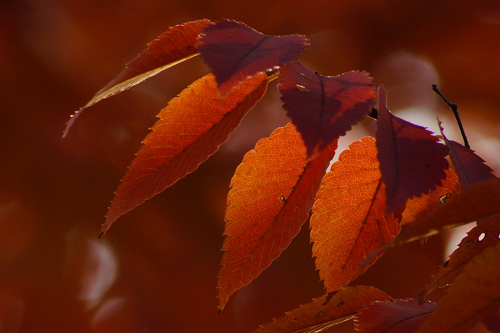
{"x": 492, "y": 321}
{"x": 469, "y": 166}
{"x": 324, "y": 107}
{"x": 398, "y": 316}
{"x": 234, "y": 51}
{"x": 412, "y": 162}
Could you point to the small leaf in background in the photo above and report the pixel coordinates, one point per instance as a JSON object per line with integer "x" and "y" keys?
{"x": 190, "y": 129}
{"x": 469, "y": 166}
{"x": 483, "y": 236}
{"x": 412, "y": 162}
{"x": 326, "y": 311}
{"x": 169, "y": 49}
{"x": 349, "y": 219}
{"x": 234, "y": 51}
{"x": 324, "y": 107}
{"x": 478, "y": 202}
{"x": 420, "y": 207}
{"x": 398, "y": 316}
{"x": 475, "y": 293}
{"x": 272, "y": 192}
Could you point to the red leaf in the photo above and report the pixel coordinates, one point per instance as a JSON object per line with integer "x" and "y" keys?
{"x": 325, "y": 312}
{"x": 478, "y": 202}
{"x": 469, "y": 166}
{"x": 272, "y": 192}
{"x": 234, "y": 51}
{"x": 398, "y": 316}
{"x": 492, "y": 321}
{"x": 190, "y": 129}
{"x": 349, "y": 220}
{"x": 475, "y": 293}
{"x": 411, "y": 159}
{"x": 169, "y": 49}
{"x": 324, "y": 107}
{"x": 483, "y": 236}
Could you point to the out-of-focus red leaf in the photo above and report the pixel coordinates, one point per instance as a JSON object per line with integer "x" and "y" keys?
{"x": 324, "y": 107}
{"x": 272, "y": 192}
{"x": 412, "y": 162}
{"x": 475, "y": 293}
{"x": 420, "y": 207}
{"x": 398, "y": 316}
{"x": 190, "y": 129}
{"x": 492, "y": 320}
{"x": 234, "y": 51}
{"x": 326, "y": 311}
{"x": 478, "y": 202}
{"x": 349, "y": 220}
{"x": 469, "y": 166}
{"x": 483, "y": 236}
{"x": 169, "y": 49}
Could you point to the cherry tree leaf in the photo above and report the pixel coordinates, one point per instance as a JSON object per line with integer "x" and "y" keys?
{"x": 169, "y": 49}
{"x": 190, "y": 129}
{"x": 475, "y": 293}
{"x": 324, "y": 107}
{"x": 398, "y": 316}
{"x": 234, "y": 51}
{"x": 326, "y": 311}
{"x": 272, "y": 192}
{"x": 483, "y": 236}
{"x": 478, "y": 202}
{"x": 412, "y": 162}
{"x": 349, "y": 220}
{"x": 419, "y": 208}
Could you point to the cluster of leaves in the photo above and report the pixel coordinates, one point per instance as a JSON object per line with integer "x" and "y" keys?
{"x": 402, "y": 185}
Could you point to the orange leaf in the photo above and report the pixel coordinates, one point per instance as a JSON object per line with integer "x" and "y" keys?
{"x": 272, "y": 192}
{"x": 190, "y": 129}
{"x": 477, "y": 202}
{"x": 325, "y": 312}
{"x": 483, "y": 236}
{"x": 349, "y": 219}
{"x": 420, "y": 207}
{"x": 475, "y": 293}
{"x": 169, "y": 49}
{"x": 398, "y": 316}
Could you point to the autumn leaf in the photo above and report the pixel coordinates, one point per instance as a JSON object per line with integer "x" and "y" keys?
{"x": 349, "y": 220}
{"x": 398, "y": 316}
{"x": 325, "y": 311}
{"x": 478, "y": 202}
{"x": 483, "y": 236}
{"x": 475, "y": 293}
{"x": 492, "y": 321}
{"x": 412, "y": 162}
{"x": 419, "y": 208}
{"x": 169, "y": 49}
{"x": 234, "y": 51}
{"x": 190, "y": 129}
{"x": 324, "y": 107}
{"x": 272, "y": 192}
{"x": 469, "y": 166}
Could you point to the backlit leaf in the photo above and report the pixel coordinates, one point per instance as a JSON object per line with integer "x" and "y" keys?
{"x": 349, "y": 219}
{"x": 272, "y": 192}
{"x": 478, "y": 202}
{"x": 469, "y": 166}
{"x": 169, "y": 49}
{"x": 412, "y": 162}
{"x": 325, "y": 311}
{"x": 483, "y": 236}
{"x": 475, "y": 293}
{"x": 190, "y": 129}
{"x": 398, "y": 316}
{"x": 324, "y": 107}
{"x": 234, "y": 51}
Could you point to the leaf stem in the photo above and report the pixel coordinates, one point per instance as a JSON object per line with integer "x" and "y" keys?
{"x": 453, "y": 108}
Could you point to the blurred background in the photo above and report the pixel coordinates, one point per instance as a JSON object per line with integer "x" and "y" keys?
{"x": 156, "y": 269}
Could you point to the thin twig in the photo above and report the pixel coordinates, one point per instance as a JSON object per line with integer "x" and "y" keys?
{"x": 453, "y": 108}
